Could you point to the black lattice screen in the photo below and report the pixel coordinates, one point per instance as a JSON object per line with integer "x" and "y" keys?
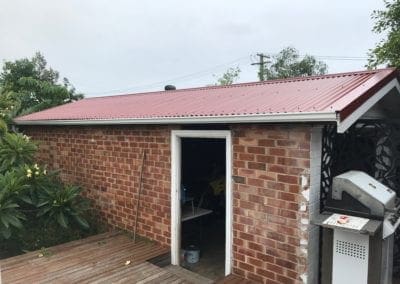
{"x": 369, "y": 146}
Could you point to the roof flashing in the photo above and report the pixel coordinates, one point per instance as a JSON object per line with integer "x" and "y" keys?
{"x": 273, "y": 118}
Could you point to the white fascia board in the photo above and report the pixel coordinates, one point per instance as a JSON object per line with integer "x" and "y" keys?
{"x": 342, "y": 126}
{"x": 283, "y": 117}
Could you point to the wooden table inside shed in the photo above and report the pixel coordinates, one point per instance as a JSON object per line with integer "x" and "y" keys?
{"x": 188, "y": 213}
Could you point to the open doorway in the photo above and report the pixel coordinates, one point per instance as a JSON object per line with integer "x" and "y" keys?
{"x": 203, "y": 206}
{"x": 201, "y": 202}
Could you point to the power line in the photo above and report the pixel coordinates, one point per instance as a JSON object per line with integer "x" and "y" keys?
{"x": 333, "y": 57}
{"x": 204, "y": 72}
{"x": 328, "y": 57}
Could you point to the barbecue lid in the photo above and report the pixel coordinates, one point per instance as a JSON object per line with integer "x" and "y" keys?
{"x": 365, "y": 189}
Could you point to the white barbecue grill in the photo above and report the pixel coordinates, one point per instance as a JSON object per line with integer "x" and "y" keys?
{"x": 360, "y": 218}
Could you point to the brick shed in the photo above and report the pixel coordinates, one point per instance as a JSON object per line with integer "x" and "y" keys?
{"x": 271, "y": 143}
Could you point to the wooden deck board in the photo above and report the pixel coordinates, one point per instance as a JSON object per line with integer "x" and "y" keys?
{"x": 79, "y": 243}
{"x": 56, "y": 266}
{"x": 84, "y": 261}
{"x": 68, "y": 257}
{"x": 98, "y": 259}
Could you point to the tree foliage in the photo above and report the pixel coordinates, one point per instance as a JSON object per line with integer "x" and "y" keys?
{"x": 387, "y": 51}
{"x": 229, "y": 77}
{"x": 288, "y": 63}
{"x": 30, "y": 85}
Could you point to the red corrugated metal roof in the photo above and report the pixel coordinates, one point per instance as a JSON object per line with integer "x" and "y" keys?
{"x": 304, "y": 95}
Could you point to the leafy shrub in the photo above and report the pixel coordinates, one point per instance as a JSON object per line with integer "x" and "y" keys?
{"x": 63, "y": 205}
{"x": 10, "y": 217}
{"x": 34, "y": 204}
{"x": 16, "y": 150}
{"x": 11, "y": 185}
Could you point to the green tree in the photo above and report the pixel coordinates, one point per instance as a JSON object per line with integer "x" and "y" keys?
{"x": 288, "y": 63}
{"x": 229, "y": 77}
{"x": 31, "y": 85}
{"x": 387, "y": 51}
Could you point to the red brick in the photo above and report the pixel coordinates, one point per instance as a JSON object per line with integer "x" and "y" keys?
{"x": 284, "y": 263}
{"x": 265, "y": 273}
{"x": 285, "y": 280}
{"x": 266, "y": 142}
{"x": 287, "y": 143}
{"x": 256, "y": 166}
{"x": 246, "y": 267}
{"x": 265, "y": 159}
{"x": 275, "y": 268}
{"x": 246, "y": 236}
{"x": 277, "y": 169}
{"x": 255, "y": 277}
{"x": 276, "y": 236}
{"x": 255, "y": 246}
{"x": 255, "y": 182}
{"x": 299, "y": 153}
{"x": 288, "y": 161}
{"x": 256, "y": 198}
{"x": 265, "y": 257}
{"x": 288, "y": 214}
{"x": 256, "y": 150}
{"x": 246, "y": 157}
{"x": 238, "y": 149}
{"x": 277, "y": 151}
{"x": 287, "y": 196}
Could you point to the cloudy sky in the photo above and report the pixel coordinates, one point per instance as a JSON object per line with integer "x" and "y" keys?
{"x": 111, "y": 47}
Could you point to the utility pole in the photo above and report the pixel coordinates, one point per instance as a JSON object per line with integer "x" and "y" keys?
{"x": 261, "y": 63}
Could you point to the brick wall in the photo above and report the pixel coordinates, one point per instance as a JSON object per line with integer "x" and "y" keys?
{"x": 271, "y": 171}
{"x": 106, "y": 161}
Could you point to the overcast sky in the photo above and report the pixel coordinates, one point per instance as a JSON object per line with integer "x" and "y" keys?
{"x": 111, "y": 47}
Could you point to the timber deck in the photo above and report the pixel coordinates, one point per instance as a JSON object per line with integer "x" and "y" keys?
{"x": 106, "y": 258}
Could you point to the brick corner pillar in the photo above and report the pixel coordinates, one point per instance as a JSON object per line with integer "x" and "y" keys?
{"x": 274, "y": 194}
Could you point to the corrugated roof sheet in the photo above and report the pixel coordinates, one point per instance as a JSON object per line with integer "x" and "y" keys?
{"x": 316, "y": 94}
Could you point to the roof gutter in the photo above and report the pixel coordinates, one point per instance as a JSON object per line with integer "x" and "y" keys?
{"x": 266, "y": 118}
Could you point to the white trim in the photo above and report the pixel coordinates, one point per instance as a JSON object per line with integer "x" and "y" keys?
{"x": 175, "y": 197}
{"x": 229, "y": 205}
{"x": 313, "y": 204}
{"x": 279, "y": 117}
{"x": 361, "y": 110}
{"x": 176, "y": 136}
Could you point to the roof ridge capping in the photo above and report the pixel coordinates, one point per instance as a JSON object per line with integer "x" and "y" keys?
{"x": 254, "y": 83}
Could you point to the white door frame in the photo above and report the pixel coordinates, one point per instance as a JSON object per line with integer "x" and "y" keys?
{"x": 176, "y": 136}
